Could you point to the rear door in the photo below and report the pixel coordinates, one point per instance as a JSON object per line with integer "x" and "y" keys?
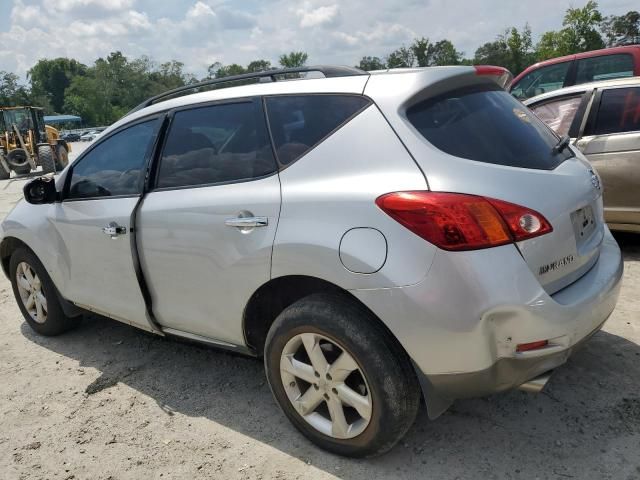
{"x": 611, "y": 142}
{"x": 94, "y": 221}
{"x": 208, "y": 225}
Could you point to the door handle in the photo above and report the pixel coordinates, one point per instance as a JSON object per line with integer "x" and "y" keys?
{"x": 247, "y": 222}
{"x": 114, "y": 230}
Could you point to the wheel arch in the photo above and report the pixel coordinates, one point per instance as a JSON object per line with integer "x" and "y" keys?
{"x": 10, "y": 245}
{"x": 7, "y": 247}
{"x": 268, "y": 301}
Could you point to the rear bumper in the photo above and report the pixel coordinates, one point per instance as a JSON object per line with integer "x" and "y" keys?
{"x": 505, "y": 374}
{"x": 462, "y": 323}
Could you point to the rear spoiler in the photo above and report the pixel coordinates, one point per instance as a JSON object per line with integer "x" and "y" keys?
{"x": 500, "y": 75}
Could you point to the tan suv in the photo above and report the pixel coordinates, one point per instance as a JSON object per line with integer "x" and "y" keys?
{"x": 603, "y": 121}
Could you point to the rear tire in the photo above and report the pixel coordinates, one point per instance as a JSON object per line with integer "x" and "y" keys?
{"x": 62, "y": 157}
{"x": 45, "y": 158}
{"x": 379, "y": 395}
{"x": 36, "y": 295}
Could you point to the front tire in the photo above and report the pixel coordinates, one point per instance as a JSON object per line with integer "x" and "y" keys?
{"x": 339, "y": 377}
{"x": 37, "y": 296}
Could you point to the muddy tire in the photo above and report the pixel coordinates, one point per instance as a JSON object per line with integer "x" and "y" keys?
{"x": 46, "y": 159}
{"x": 62, "y": 157}
{"x": 339, "y": 377}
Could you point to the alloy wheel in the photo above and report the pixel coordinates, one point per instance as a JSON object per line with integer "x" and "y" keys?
{"x": 31, "y": 293}
{"x": 325, "y": 385}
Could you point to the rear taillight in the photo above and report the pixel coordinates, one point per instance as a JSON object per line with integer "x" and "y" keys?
{"x": 455, "y": 221}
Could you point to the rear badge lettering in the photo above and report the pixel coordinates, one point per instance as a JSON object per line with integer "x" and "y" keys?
{"x": 550, "y": 267}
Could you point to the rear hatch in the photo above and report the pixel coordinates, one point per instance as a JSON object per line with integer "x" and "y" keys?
{"x": 472, "y": 137}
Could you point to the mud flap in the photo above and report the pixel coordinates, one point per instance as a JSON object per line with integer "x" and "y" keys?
{"x": 436, "y": 404}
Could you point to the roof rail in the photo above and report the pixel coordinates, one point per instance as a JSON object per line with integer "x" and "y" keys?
{"x": 327, "y": 70}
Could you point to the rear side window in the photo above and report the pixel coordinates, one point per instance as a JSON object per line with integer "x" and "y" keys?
{"x": 541, "y": 80}
{"x": 619, "y": 112}
{"x": 299, "y": 122}
{"x": 488, "y": 125}
{"x": 558, "y": 114}
{"x": 604, "y": 67}
{"x": 216, "y": 144}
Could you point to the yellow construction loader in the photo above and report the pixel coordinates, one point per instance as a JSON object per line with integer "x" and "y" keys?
{"x": 26, "y": 142}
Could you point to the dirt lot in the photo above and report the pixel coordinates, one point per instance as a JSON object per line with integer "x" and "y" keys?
{"x": 110, "y": 402}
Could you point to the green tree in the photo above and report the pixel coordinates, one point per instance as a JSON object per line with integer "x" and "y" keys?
{"x": 293, "y": 59}
{"x": 403, "y": 57}
{"x": 371, "y": 63}
{"x": 621, "y": 29}
{"x": 513, "y": 50}
{"x": 259, "y": 66}
{"x": 229, "y": 70}
{"x": 421, "y": 50}
{"x": 580, "y": 33}
{"x": 12, "y": 94}
{"x": 581, "y": 28}
{"x": 50, "y": 78}
{"x": 444, "y": 53}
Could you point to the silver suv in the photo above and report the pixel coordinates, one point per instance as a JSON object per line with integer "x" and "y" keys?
{"x": 376, "y": 238}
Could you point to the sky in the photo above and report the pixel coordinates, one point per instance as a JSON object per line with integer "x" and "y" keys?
{"x": 201, "y": 32}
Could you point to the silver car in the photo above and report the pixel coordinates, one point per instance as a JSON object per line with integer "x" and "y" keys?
{"x": 603, "y": 121}
{"x": 376, "y": 238}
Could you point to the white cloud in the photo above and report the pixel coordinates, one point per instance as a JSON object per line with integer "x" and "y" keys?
{"x": 317, "y": 16}
{"x": 200, "y": 32}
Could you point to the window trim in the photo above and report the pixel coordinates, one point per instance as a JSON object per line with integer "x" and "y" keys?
{"x": 575, "y": 73}
{"x": 148, "y": 156}
{"x": 567, "y": 81}
{"x": 575, "y": 124}
{"x": 595, "y": 109}
{"x": 283, "y": 166}
{"x": 152, "y": 184}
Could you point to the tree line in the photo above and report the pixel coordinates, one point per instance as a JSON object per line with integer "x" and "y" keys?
{"x": 106, "y": 90}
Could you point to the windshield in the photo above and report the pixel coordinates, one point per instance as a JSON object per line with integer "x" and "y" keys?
{"x": 21, "y": 117}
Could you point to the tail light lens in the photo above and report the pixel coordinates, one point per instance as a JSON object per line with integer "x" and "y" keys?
{"x": 454, "y": 221}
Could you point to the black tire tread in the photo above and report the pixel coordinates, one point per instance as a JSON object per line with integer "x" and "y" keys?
{"x": 400, "y": 385}
{"x": 46, "y": 158}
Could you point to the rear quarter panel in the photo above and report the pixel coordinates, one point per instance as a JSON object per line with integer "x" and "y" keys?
{"x": 331, "y": 190}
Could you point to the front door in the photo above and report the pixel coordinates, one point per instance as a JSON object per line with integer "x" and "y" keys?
{"x": 612, "y": 145}
{"x": 94, "y": 222}
{"x": 208, "y": 225}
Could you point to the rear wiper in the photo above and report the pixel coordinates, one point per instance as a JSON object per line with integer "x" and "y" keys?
{"x": 563, "y": 143}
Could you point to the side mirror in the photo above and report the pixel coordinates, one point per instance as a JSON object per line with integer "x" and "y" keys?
{"x": 41, "y": 190}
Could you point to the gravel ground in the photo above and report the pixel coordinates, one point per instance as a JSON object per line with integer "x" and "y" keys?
{"x": 110, "y": 402}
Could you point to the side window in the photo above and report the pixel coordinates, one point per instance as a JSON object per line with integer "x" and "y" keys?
{"x": 216, "y": 144}
{"x": 619, "y": 112}
{"x": 541, "y": 80}
{"x": 604, "y": 67}
{"x": 558, "y": 114}
{"x": 299, "y": 122}
{"x": 114, "y": 166}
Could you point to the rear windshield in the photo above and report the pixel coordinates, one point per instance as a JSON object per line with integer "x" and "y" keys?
{"x": 489, "y": 125}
